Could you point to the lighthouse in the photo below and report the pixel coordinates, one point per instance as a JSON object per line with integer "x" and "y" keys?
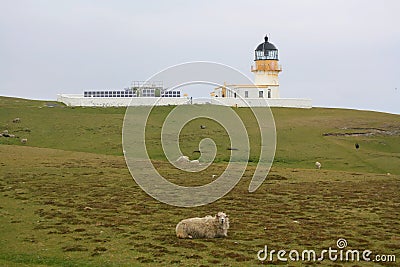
{"x": 266, "y": 68}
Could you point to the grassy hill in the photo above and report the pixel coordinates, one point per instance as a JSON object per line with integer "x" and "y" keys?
{"x": 300, "y": 134}
{"x": 67, "y": 198}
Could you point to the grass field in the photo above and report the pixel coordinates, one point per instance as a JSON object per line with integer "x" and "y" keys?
{"x": 67, "y": 197}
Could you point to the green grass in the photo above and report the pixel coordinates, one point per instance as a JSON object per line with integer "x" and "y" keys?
{"x": 73, "y": 160}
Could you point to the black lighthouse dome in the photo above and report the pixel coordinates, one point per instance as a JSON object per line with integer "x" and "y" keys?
{"x": 266, "y": 51}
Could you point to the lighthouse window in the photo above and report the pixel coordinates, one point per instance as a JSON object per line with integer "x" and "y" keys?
{"x": 260, "y": 94}
{"x": 272, "y": 54}
{"x": 246, "y": 94}
{"x": 260, "y": 55}
{"x": 269, "y": 93}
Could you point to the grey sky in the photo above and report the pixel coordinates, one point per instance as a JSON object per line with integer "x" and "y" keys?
{"x": 339, "y": 53}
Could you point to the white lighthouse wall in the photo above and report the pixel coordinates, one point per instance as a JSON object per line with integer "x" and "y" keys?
{"x": 252, "y": 92}
{"x": 266, "y": 78}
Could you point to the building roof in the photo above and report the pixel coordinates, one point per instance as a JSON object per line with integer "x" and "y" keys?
{"x": 266, "y": 45}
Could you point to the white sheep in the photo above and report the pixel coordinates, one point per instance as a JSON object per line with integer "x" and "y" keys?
{"x": 206, "y": 227}
{"x": 183, "y": 159}
{"x": 24, "y": 140}
{"x": 16, "y": 120}
{"x": 12, "y": 135}
{"x": 318, "y": 165}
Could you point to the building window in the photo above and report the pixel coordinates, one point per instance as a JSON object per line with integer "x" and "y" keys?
{"x": 246, "y": 94}
{"x": 260, "y": 94}
{"x": 269, "y": 93}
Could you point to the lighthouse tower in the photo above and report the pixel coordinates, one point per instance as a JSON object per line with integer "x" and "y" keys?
{"x": 267, "y": 68}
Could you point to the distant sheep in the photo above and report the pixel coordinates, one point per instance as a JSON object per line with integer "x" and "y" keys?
{"x": 11, "y": 136}
{"x": 16, "y": 120}
{"x": 5, "y": 132}
{"x": 183, "y": 159}
{"x": 24, "y": 140}
{"x": 318, "y": 165}
{"x": 206, "y": 227}
{"x": 202, "y": 127}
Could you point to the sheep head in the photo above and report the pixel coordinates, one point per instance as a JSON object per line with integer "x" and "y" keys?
{"x": 222, "y": 218}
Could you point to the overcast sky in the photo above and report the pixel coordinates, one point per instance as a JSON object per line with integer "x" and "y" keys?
{"x": 339, "y": 53}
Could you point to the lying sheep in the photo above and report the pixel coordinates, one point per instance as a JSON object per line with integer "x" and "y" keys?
{"x": 183, "y": 159}
{"x": 206, "y": 227}
{"x": 16, "y": 120}
{"x": 24, "y": 140}
{"x": 318, "y": 165}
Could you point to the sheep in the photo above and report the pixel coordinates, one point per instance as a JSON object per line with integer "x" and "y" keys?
{"x": 183, "y": 159}
{"x": 195, "y": 161}
{"x": 357, "y": 146}
{"x": 12, "y": 136}
{"x": 318, "y": 165}
{"x": 5, "y": 132}
{"x": 24, "y": 140}
{"x": 16, "y": 120}
{"x": 206, "y": 227}
{"x": 203, "y": 126}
